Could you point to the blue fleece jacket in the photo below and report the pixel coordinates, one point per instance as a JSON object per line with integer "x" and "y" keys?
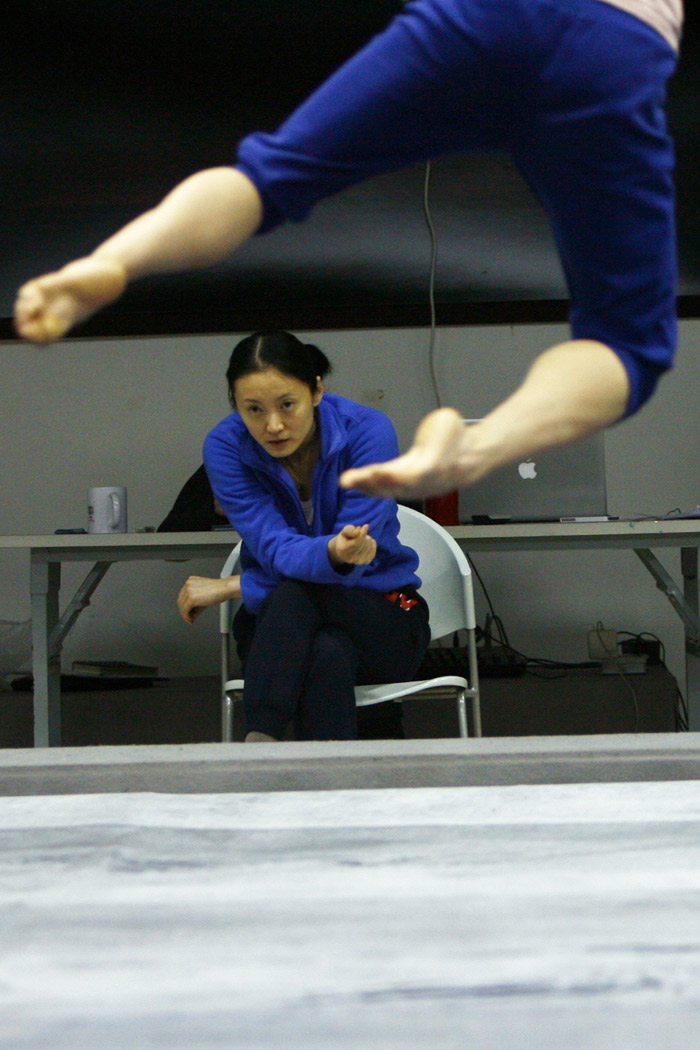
{"x": 263, "y": 505}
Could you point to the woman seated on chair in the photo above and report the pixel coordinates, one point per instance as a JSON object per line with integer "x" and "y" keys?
{"x": 329, "y": 594}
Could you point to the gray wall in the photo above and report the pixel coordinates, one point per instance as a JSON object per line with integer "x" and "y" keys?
{"x": 134, "y": 412}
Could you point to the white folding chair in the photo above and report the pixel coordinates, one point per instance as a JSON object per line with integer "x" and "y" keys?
{"x": 447, "y": 587}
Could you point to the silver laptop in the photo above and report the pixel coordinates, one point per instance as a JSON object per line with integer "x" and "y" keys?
{"x": 566, "y": 483}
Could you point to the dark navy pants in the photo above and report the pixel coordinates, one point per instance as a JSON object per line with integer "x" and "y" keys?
{"x": 309, "y": 645}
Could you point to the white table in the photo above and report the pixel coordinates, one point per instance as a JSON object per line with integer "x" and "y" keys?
{"x": 50, "y": 627}
{"x": 639, "y": 536}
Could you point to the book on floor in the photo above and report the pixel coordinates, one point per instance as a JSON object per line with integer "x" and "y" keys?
{"x": 113, "y": 668}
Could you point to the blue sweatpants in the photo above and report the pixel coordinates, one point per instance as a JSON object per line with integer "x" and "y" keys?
{"x": 574, "y": 90}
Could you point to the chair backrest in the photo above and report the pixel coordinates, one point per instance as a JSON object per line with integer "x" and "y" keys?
{"x": 444, "y": 571}
{"x": 443, "y": 568}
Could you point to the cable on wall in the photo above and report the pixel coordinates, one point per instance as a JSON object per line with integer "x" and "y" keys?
{"x": 431, "y": 283}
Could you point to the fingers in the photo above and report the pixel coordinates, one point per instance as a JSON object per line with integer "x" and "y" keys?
{"x": 358, "y": 548}
{"x": 194, "y": 597}
{"x": 370, "y": 551}
{"x": 354, "y": 533}
{"x": 190, "y": 612}
{"x": 184, "y": 604}
{"x": 187, "y": 612}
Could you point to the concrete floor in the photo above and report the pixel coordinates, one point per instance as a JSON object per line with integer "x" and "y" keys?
{"x": 489, "y": 894}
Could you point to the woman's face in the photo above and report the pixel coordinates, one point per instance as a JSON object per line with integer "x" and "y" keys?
{"x": 277, "y": 409}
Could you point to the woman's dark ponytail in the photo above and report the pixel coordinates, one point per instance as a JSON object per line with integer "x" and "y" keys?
{"x": 280, "y": 350}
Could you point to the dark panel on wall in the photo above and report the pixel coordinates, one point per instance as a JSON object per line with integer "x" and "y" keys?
{"x": 106, "y": 105}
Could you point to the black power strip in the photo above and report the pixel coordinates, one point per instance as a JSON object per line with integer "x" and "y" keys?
{"x": 498, "y": 661}
{"x": 649, "y": 647}
{"x": 494, "y": 661}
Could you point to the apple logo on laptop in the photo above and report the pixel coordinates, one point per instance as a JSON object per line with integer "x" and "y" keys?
{"x": 527, "y": 470}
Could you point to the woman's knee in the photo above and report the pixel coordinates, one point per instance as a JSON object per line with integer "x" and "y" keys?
{"x": 290, "y": 590}
{"x": 290, "y": 597}
{"x": 333, "y": 648}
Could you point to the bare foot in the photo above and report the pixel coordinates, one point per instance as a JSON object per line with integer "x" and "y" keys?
{"x": 437, "y": 462}
{"x": 47, "y": 307}
{"x": 256, "y": 737}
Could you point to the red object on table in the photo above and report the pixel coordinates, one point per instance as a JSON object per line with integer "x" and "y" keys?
{"x": 444, "y": 509}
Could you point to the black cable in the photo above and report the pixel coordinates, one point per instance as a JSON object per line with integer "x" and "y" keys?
{"x": 502, "y": 633}
{"x": 431, "y": 284}
{"x": 647, "y": 634}
{"x": 542, "y": 661}
{"x": 558, "y": 668}
{"x": 483, "y": 587}
{"x": 635, "y": 700}
{"x": 681, "y": 707}
{"x": 682, "y": 724}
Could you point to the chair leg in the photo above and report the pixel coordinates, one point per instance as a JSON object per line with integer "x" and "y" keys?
{"x": 474, "y": 682}
{"x": 226, "y": 718}
{"x": 226, "y": 701}
{"x": 462, "y": 714}
{"x": 476, "y": 714}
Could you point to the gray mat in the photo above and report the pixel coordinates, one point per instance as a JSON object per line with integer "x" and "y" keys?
{"x": 532, "y": 916}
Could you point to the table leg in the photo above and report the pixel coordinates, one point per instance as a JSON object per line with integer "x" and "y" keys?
{"x": 46, "y": 665}
{"x": 685, "y": 603}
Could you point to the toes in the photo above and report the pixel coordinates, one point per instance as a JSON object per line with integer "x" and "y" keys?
{"x": 49, "y": 306}
{"x": 53, "y": 327}
{"x": 29, "y": 301}
{"x": 46, "y": 323}
{"x": 34, "y": 319}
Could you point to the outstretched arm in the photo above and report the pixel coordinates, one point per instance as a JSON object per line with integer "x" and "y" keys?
{"x": 570, "y": 390}
{"x": 202, "y": 221}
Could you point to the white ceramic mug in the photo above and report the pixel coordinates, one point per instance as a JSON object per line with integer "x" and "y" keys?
{"x": 107, "y": 509}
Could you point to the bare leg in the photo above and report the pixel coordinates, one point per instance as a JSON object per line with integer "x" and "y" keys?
{"x": 202, "y": 221}
{"x": 570, "y": 390}
{"x": 430, "y": 467}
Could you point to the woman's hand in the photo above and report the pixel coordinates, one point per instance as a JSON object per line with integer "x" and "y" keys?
{"x": 352, "y": 546}
{"x": 200, "y": 592}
